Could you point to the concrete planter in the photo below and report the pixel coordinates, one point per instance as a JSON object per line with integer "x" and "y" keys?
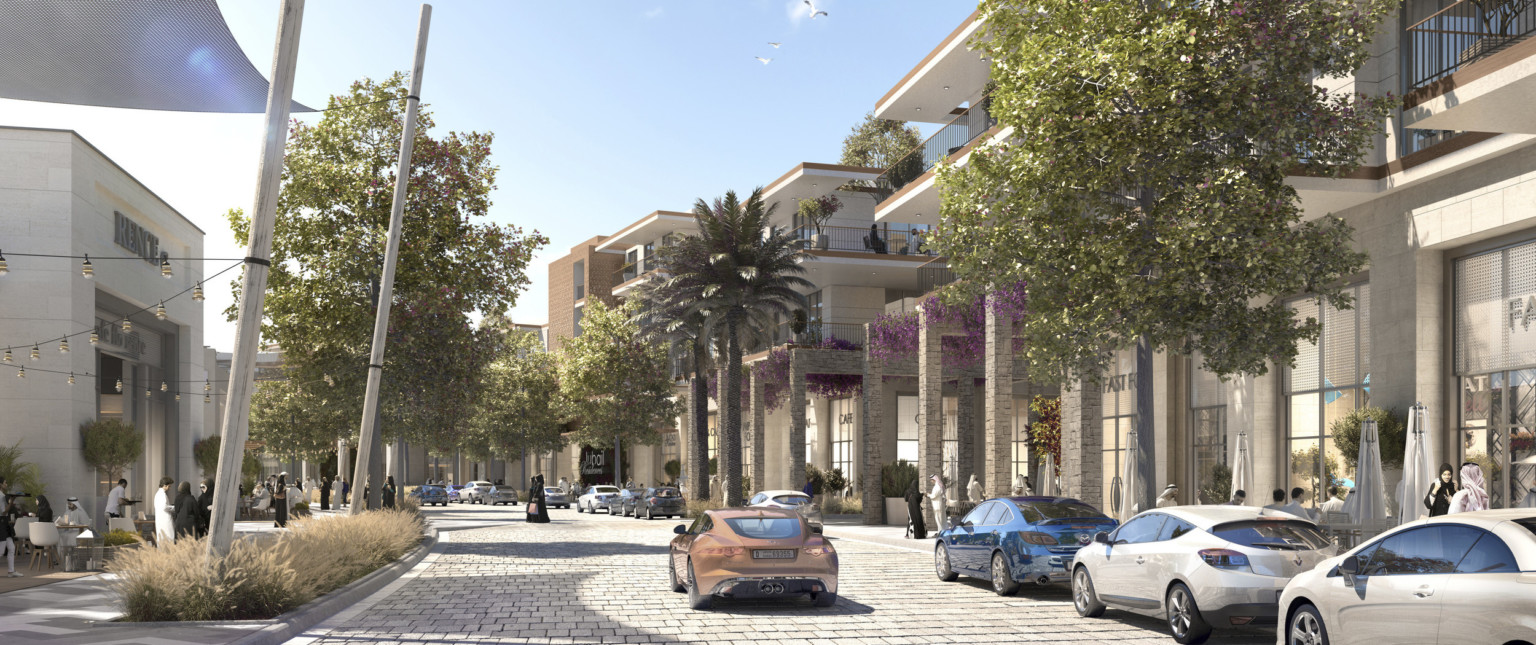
{"x": 896, "y": 512}
{"x": 821, "y": 242}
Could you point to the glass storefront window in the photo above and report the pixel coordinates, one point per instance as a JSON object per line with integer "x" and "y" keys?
{"x": 1208, "y": 434}
{"x": 1020, "y": 438}
{"x": 842, "y": 439}
{"x": 952, "y": 445}
{"x": 1332, "y": 378}
{"x": 1118, "y": 408}
{"x": 906, "y": 428}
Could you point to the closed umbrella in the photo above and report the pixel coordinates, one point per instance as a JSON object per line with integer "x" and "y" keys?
{"x": 1416, "y": 469}
{"x": 1369, "y": 501}
{"x": 1047, "y": 478}
{"x": 1128, "y": 492}
{"x": 1242, "y": 471}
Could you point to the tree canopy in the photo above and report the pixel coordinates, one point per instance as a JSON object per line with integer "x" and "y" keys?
{"x": 878, "y": 143}
{"x": 1141, "y": 192}
{"x": 520, "y": 406}
{"x": 615, "y": 381}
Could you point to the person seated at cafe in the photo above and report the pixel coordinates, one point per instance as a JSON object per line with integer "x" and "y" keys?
{"x": 874, "y": 242}
{"x": 1279, "y": 497}
{"x": 74, "y": 515}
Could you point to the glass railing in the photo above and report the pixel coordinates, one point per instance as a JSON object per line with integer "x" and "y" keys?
{"x": 863, "y": 240}
{"x": 626, "y": 273}
{"x": 954, "y": 136}
{"x": 1463, "y": 33}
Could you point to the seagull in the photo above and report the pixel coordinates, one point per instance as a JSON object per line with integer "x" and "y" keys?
{"x": 814, "y": 12}
{"x": 765, "y": 61}
{"x": 775, "y": 45}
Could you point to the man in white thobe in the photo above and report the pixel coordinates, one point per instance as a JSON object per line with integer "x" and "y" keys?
{"x": 165, "y": 518}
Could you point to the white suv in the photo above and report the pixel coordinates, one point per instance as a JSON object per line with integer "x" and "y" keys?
{"x": 475, "y": 491}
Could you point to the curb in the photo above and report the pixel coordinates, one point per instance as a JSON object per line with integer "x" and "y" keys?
{"x": 291, "y": 624}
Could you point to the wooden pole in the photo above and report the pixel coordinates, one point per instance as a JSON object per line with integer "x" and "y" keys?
{"x": 369, "y": 435}
{"x": 253, "y": 290}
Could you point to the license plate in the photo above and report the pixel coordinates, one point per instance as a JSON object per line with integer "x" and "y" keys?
{"x": 773, "y": 554}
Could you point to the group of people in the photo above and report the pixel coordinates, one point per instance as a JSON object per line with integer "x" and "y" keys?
{"x": 1446, "y": 496}
{"x": 179, "y": 514}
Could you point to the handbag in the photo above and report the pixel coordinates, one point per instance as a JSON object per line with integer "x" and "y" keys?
{"x": 533, "y": 508}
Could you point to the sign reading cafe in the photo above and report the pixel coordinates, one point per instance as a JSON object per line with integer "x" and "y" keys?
{"x": 138, "y": 240}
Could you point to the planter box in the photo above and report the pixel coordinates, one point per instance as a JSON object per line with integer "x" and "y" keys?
{"x": 896, "y": 512}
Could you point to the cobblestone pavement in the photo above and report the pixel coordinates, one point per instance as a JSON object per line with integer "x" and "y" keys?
{"x": 585, "y": 579}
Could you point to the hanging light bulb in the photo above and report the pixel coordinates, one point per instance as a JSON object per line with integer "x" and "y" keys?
{"x": 71, "y": 378}
{"x": 206, "y": 385}
{"x": 127, "y": 325}
{"x": 4, "y": 268}
{"x": 160, "y": 310}
{"x": 86, "y": 269}
{"x": 94, "y": 337}
{"x": 207, "y": 399}
{"x": 197, "y": 292}
{"x": 22, "y": 373}
{"x": 7, "y": 354}
{"x": 146, "y": 392}
{"x": 178, "y": 396}
{"x": 34, "y": 352}
{"x": 165, "y": 265}
{"x": 63, "y": 345}
{"x": 119, "y": 386}
{"x": 163, "y": 388}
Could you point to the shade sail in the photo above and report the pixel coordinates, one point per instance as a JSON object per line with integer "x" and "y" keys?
{"x": 145, "y": 54}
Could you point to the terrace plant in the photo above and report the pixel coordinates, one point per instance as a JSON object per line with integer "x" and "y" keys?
{"x": 110, "y": 445}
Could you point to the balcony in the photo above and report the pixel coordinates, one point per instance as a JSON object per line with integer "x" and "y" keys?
{"x": 857, "y": 240}
{"x": 815, "y": 332}
{"x": 1471, "y": 68}
{"x": 950, "y": 139}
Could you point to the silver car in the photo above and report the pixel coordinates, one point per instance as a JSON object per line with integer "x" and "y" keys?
{"x": 789, "y": 499}
{"x": 1197, "y": 567}
{"x": 1459, "y": 578}
{"x": 475, "y": 491}
{"x": 555, "y": 498}
{"x": 499, "y": 495}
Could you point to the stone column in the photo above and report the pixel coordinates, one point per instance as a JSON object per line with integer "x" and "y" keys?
{"x": 757, "y": 439}
{"x": 795, "y": 451}
{"x": 930, "y": 399}
{"x": 873, "y": 435}
{"x": 999, "y": 404}
{"x": 965, "y": 430}
{"x": 1082, "y": 444}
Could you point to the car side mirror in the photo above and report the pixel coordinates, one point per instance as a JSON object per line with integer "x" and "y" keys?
{"x": 1349, "y": 568}
{"x": 816, "y": 528}
{"x": 1101, "y": 537}
{"x": 681, "y": 529}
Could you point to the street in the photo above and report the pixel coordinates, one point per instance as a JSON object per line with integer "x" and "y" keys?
{"x": 602, "y": 579}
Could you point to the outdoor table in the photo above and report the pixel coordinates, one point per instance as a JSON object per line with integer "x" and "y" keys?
{"x": 64, "y": 537}
{"x": 146, "y": 529}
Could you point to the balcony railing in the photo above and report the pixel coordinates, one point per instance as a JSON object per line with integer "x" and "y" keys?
{"x": 956, "y": 134}
{"x": 933, "y": 275}
{"x": 1463, "y": 33}
{"x": 815, "y": 333}
{"x": 858, "y": 240}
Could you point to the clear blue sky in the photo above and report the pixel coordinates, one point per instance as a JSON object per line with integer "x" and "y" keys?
{"x": 603, "y": 111}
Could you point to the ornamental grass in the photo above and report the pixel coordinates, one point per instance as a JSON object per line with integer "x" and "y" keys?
{"x": 260, "y": 578}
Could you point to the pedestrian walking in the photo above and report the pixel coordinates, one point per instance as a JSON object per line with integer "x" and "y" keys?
{"x": 280, "y": 501}
{"x": 186, "y": 512}
{"x": 389, "y": 491}
{"x": 165, "y": 520}
{"x": 1169, "y": 496}
{"x": 11, "y": 512}
{"x": 537, "y": 512}
{"x": 325, "y": 493}
{"x": 204, "y": 507}
{"x": 346, "y": 494}
{"x": 916, "y": 527}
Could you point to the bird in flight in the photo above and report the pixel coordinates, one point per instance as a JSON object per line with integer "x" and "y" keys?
{"x": 775, "y": 45}
{"x": 814, "y": 11}
{"x": 765, "y": 61}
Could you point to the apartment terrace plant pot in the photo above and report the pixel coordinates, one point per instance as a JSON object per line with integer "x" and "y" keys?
{"x": 896, "y": 512}
{"x": 820, "y": 242}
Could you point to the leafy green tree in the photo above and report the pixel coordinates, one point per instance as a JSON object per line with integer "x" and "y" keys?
{"x": 205, "y": 452}
{"x": 878, "y": 143}
{"x": 519, "y": 409}
{"x": 327, "y": 256}
{"x": 1391, "y": 433}
{"x": 613, "y": 381}
{"x": 738, "y": 271}
{"x": 110, "y": 445}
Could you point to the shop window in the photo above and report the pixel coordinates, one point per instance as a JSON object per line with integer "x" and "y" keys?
{"x": 1332, "y": 378}
{"x": 1495, "y": 361}
{"x": 1020, "y": 457}
{"x": 842, "y": 439}
{"x": 951, "y": 425}
{"x": 1118, "y": 409}
{"x": 1208, "y": 434}
{"x": 908, "y": 425}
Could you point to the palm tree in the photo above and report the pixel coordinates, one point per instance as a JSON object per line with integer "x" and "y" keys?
{"x": 664, "y": 316}
{"x": 743, "y": 272}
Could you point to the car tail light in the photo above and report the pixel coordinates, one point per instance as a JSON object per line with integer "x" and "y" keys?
{"x": 819, "y": 549}
{"x": 1036, "y": 537}
{"x": 724, "y": 551}
{"x": 1225, "y": 559}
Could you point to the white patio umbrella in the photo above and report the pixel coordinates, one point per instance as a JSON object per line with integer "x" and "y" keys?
{"x": 1047, "y": 484}
{"x": 1128, "y": 492}
{"x": 1242, "y": 471}
{"x": 1416, "y": 469}
{"x": 1369, "y": 501}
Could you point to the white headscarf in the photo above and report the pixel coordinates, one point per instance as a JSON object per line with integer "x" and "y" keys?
{"x": 1473, "y": 495}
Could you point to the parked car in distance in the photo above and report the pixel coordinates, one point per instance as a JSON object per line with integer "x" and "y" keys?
{"x": 474, "y": 492}
{"x": 430, "y": 495}
{"x": 1197, "y": 567}
{"x": 751, "y": 553}
{"x": 596, "y": 497}
{"x": 554, "y": 497}
{"x": 453, "y": 491}
{"x": 1458, "y": 578}
{"x": 499, "y": 495}
{"x": 625, "y": 504}
{"x": 661, "y": 501}
{"x": 1013, "y": 540}
{"x": 788, "y": 499}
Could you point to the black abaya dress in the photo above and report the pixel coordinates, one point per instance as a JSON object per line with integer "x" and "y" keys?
{"x": 915, "y": 511}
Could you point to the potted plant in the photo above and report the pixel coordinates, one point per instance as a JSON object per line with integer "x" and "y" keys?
{"x": 817, "y": 481}
{"x": 818, "y": 212}
{"x": 895, "y": 478}
{"x": 115, "y": 543}
{"x": 835, "y": 481}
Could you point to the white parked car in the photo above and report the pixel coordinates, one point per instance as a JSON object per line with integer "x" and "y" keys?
{"x": 597, "y": 497}
{"x": 475, "y": 491}
{"x": 1459, "y": 578}
{"x": 789, "y": 499}
{"x": 1197, "y": 567}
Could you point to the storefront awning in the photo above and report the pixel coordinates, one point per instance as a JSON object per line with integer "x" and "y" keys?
{"x": 145, "y": 54}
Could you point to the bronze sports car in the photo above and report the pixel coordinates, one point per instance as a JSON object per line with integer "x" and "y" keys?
{"x": 752, "y": 553}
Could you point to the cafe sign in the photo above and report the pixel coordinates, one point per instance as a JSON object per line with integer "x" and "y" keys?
{"x": 136, "y": 239}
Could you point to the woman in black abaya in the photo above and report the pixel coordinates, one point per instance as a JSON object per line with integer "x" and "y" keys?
{"x": 537, "y": 513}
{"x": 915, "y": 511}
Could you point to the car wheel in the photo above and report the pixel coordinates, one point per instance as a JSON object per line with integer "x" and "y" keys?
{"x": 696, "y": 600}
{"x": 1002, "y": 579}
{"x": 1306, "y": 627}
{"x": 824, "y": 599}
{"x": 1184, "y": 617}
{"x": 677, "y": 587}
{"x": 649, "y": 514}
{"x": 941, "y": 564}
{"x": 1083, "y": 595}
{"x": 578, "y": 507}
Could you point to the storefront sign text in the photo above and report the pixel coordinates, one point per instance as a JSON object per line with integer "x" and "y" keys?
{"x": 129, "y": 235}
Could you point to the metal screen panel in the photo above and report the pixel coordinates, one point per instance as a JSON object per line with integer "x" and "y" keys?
{"x": 1495, "y": 318}
{"x": 1306, "y": 375}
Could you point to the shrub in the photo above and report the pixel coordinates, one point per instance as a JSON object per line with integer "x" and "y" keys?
{"x": 1390, "y": 429}
{"x": 21, "y": 476}
{"x": 673, "y": 468}
{"x": 896, "y": 477}
{"x": 843, "y": 506}
{"x": 119, "y": 537}
{"x": 696, "y": 507}
{"x": 301, "y": 507}
{"x": 835, "y": 481}
{"x": 815, "y": 478}
{"x": 259, "y": 581}
{"x": 205, "y": 452}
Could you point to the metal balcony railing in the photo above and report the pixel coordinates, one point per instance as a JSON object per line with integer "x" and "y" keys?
{"x": 815, "y": 332}
{"x": 933, "y": 275}
{"x": 1463, "y": 33}
{"x": 859, "y": 240}
{"x": 951, "y": 138}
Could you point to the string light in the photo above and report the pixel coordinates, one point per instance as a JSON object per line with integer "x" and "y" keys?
{"x": 206, "y": 385}
{"x": 94, "y": 337}
{"x": 197, "y": 292}
{"x": 160, "y": 310}
{"x": 127, "y": 325}
{"x": 146, "y": 392}
{"x": 119, "y": 386}
{"x": 178, "y": 396}
{"x": 34, "y": 352}
{"x": 4, "y": 268}
{"x": 86, "y": 269}
{"x": 163, "y": 387}
{"x": 63, "y": 345}
{"x": 207, "y": 399}
{"x": 7, "y": 354}
{"x": 71, "y": 378}
{"x": 22, "y": 373}
{"x": 165, "y": 265}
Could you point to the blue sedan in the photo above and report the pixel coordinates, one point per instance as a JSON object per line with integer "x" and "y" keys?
{"x": 429, "y": 495}
{"x": 1011, "y": 540}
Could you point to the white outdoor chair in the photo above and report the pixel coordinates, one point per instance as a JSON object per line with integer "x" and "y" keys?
{"x": 45, "y": 543}
{"x": 23, "y": 533}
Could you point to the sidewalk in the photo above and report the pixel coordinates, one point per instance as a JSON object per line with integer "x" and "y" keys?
{"x": 852, "y": 527}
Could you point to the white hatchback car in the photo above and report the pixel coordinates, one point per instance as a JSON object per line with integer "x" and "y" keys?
{"x": 597, "y": 497}
{"x": 789, "y": 499}
{"x": 475, "y": 491}
{"x": 1197, "y": 567}
{"x": 1460, "y": 578}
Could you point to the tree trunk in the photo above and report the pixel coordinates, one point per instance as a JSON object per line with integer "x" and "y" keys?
{"x": 698, "y": 457}
{"x": 730, "y": 425}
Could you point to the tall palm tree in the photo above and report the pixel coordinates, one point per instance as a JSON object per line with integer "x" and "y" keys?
{"x": 664, "y": 316}
{"x": 744, "y": 272}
